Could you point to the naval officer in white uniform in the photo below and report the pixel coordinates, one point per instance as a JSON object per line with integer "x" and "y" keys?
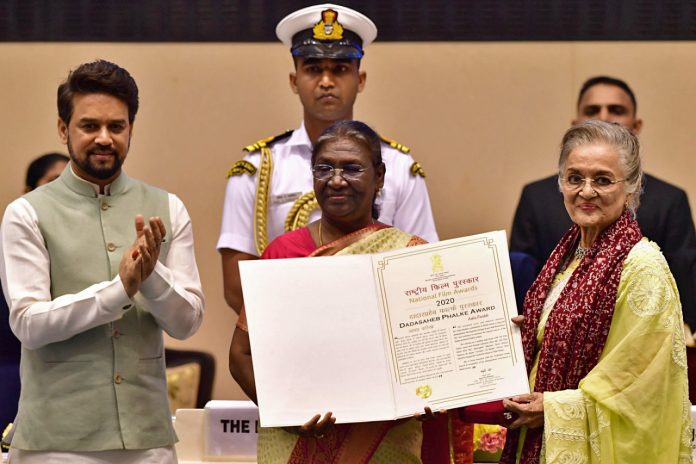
{"x": 270, "y": 191}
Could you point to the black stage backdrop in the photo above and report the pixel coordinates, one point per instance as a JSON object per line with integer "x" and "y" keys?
{"x": 397, "y": 20}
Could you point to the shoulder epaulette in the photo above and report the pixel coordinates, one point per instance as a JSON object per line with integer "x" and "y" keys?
{"x": 417, "y": 169}
{"x": 267, "y": 141}
{"x": 241, "y": 167}
{"x": 395, "y": 144}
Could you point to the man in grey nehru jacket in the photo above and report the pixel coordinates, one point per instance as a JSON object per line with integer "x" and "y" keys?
{"x": 94, "y": 265}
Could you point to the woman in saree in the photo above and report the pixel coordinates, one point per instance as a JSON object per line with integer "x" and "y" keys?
{"x": 348, "y": 175}
{"x": 602, "y": 330}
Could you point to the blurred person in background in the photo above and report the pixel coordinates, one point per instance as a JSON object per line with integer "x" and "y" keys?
{"x": 44, "y": 169}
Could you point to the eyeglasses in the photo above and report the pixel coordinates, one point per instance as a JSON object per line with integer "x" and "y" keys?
{"x": 348, "y": 172}
{"x": 598, "y": 184}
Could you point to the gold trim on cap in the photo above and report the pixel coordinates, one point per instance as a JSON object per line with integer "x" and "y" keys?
{"x": 328, "y": 28}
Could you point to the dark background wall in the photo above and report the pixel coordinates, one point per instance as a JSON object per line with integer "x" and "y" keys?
{"x": 398, "y": 20}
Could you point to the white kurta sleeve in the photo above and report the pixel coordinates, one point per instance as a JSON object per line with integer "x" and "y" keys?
{"x": 35, "y": 319}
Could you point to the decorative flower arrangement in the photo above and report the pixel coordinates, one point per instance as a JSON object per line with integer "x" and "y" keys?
{"x": 489, "y": 441}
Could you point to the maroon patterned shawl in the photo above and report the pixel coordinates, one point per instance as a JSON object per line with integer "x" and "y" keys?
{"x": 579, "y": 323}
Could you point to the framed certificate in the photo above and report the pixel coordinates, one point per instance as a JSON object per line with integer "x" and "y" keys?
{"x": 378, "y": 337}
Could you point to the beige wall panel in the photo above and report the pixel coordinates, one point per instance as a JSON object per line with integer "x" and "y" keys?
{"x": 482, "y": 118}
{"x": 491, "y": 115}
{"x": 661, "y": 75}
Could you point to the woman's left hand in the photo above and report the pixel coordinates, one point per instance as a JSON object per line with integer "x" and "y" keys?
{"x": 529, "y": 409}
{"x": 428, "y": 414}
{"x": 316, "y": 427}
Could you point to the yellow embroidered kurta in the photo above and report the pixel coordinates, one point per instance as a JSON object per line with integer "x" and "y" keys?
{"x": 633, "y": 407}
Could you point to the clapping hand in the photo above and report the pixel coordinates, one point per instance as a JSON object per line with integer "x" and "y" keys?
{"x": 140, "y": 259}
{"x": 149, "y": 240}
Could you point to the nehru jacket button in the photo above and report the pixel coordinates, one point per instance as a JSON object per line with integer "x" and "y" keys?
{"x": 111, "y": 247}
{"x": 118, "y": 379}
{"x": 104, "y": 206}
{"x": 116, "y": 333}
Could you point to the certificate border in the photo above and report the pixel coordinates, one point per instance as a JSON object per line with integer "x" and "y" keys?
{"x": 485, "y": 240}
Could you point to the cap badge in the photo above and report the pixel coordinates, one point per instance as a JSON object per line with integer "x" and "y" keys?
{"x": 328, "y": 28}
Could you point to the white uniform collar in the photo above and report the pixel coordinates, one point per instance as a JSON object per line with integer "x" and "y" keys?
{"x": 300, "y": 137}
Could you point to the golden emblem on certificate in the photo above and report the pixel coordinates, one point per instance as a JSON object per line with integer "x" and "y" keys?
{"x": 328, "y": 28}
{"x": 436, "y": 261}
{"x": 424, "y": 391}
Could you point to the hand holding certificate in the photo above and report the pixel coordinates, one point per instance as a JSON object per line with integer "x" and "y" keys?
{"x": 381, "y": 336}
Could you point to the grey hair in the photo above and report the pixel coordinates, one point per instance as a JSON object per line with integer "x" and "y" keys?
{"x": 360, "y": 133}
{"x": 352, "y": 130}
{"x": 621, "y": 139}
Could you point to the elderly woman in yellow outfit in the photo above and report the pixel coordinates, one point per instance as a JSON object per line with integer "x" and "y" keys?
{"x": 602, "y": 324}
